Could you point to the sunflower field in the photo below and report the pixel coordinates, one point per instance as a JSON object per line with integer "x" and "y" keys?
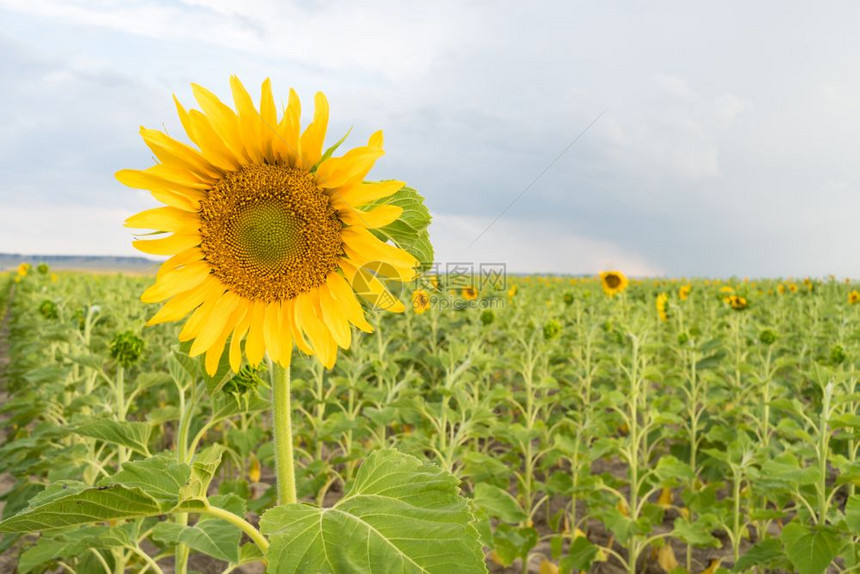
{"x": 659, "y": 429}
{"x": 298, "y": 390}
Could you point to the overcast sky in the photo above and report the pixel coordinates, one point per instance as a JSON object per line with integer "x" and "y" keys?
{"x": 730, "y": 142}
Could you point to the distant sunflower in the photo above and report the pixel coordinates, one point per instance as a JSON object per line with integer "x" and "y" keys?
{"x": 469, "y": 293}
{"x": 266, "y": 236}
{"x": 24, "y": 269}
{"x": 663, "y": 306}
{"x": 613, "y": 282}
{"x": 420, "y": 301}
{"x": 684, "y": 292}
{"x": 854, "y": 297}
{"x": 736, "y": 302}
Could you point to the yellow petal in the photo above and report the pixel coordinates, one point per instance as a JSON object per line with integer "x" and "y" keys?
{"x": 314, "y": 136}
{"x": 182, "y": 304}
{"x": 249, "y": 120}
{"x": 176, "y": 153}
{"x": 375, "y": 139}
{"x": 236, "y": 338}
{"x": 352, "y": 167}
{"x": 299, "y": 337}
{"x": 272, "y": 330}
{"x": 373, "y": 291}
{"x": 269, "y": 117}
{"x": 156, "y": 184}
{"x": 363, "y": 247}
{"x": 222, "y": 119}
{"x": 178, "y": 260}
{"x": 215, "y": 325}
{"x": 373, "y": 219}
{"x": 310, "y": 322}
{"x": 194, "y": 323}
{"x": 210, "y": 144}
{"x": 168, "y": 245}
{"x": 359, "y": 194}
{"x": 345, "y": 297}
{"x": 255, "y": 346}
{"x": 286, "y": 142}
{"x": 165, "y": 219}
{"x": 177, "y": 281}
{"x": 213, "y": 355}
{"x": 334, "y": 319}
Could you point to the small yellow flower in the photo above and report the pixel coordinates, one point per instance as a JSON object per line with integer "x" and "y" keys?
{"x": 24, "y": 269}
{"x": 662, "y": 306}
{"x": 469, "y": 293}
{"x": 512, "y": 291}
{"x": 420, "y": 301}
{"x": 54, "y": 278}
{"x": 727, "y": 289}
{"x": 780, "y": 289}
{"x": 684, "y": 291}
{"x": 613, "y": 282}
{"x": 792, "y": 287}
{"x": 854, "y": 297}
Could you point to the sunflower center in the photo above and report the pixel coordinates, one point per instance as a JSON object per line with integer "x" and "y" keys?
{"x": 269, "y": 232}
{"x": 612, "y": 281}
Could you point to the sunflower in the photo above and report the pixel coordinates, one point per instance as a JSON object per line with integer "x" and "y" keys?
{"x": 684, "y": 291}
{"x": 469, "y": 293}
{"x": 270, "y": 235}
{"x": 736, "y": 302}
{"x": 512, "y": 292}
{"x": 24, "y": 269}
{"x": 854, "y": 297}
{"x": 420, "y": 301}
{"x": 663, "y": 306}
{"x": 614, "y": 282}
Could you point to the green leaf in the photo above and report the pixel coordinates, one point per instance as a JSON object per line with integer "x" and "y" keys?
{"x": 696, "y": 533}
{"x": 762, "y": 554}
{"x": 672, "y": 471}
{"x": 203, "y": 468}
{"x": 498, "y": 503}
{"x": 511, "y": 542}
{"x": 409, "y": 232}
{"x": 84, "y": 506}
{"x": 211, "y": 536}
{"x": 810, "y": 549}
{"x": 852, "y": 513}
{"x": 580, "y": 556}
{"x": 328, "y": 153}
{"x": 161, "y": 477}
{"x": 133, "y": 435}
{"x": 399, "y": 515}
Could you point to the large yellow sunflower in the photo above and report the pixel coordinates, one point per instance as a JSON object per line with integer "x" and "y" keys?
{"x": 613, "y": 282}
{"x": 267, "y": 231}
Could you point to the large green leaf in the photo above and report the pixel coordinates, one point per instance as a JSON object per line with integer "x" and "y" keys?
{"x": 498, "y": 503}
{"x": 133, "y": 435}
{"x": 400, "y": 515}
{"x": 84, "y": 505}
{"x": 409, "y": 232}
{"x": 161, "y": 477}
{"x": 810, "y": 549}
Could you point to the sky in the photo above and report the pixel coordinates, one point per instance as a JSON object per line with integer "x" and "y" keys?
{"x": 724, "y": 138}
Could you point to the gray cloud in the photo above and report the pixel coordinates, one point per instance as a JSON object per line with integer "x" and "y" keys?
{"x": 728, "y": 146}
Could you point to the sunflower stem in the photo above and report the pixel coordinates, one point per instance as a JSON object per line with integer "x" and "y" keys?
{"x": 283, "y": 434}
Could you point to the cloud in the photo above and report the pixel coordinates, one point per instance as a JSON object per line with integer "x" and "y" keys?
{"x": 525, "y": 246}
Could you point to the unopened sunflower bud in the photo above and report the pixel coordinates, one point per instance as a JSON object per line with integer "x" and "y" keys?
{"x": 126, "y": 348}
